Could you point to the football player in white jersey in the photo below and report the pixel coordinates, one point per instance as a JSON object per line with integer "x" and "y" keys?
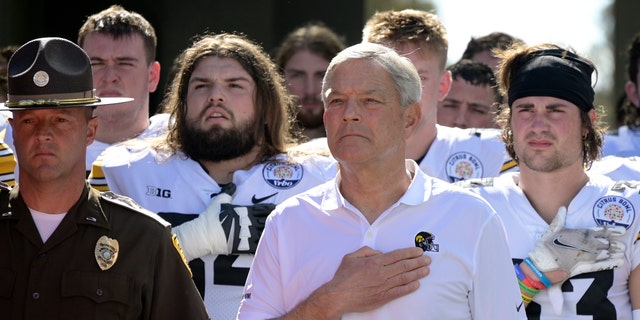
{"x": 552, "y": 128}
{"x": 625, "y": 140}
{"x": 380, "y": 203}
{"x": 451, "y": 154}
{"x": 222, "y": 166}
{"x": 122, "y": 48}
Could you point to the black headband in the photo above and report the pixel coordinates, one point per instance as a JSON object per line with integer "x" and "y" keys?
{"x": 555, "y": 73}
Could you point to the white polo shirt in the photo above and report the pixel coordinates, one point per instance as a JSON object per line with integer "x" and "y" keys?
{"x": 306, "y": 237}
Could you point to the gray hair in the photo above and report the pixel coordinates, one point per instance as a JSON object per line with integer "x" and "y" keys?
{"x": 404, "y": 74}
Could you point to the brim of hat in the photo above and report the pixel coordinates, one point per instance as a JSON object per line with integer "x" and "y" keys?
{"x": 103, "y": 102}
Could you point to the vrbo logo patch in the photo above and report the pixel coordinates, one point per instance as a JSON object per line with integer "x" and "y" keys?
{"x": 282, "y": 175}
{"x": 158, "y": 192}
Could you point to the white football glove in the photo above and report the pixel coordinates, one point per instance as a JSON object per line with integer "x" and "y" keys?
{"x": 578, "y": 251}
{"x": 204, "y": 235}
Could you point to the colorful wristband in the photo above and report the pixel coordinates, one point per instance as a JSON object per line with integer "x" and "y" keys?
{"x": 526, "y": 298}
{"x": 519, "y": 273}
{"x": 538, "y": 273}
{"x": 533, "y": 283}
{"x": 526, "y": 289}
{"x": 529, "y": 282}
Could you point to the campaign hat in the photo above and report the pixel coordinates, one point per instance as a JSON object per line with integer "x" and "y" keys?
{"x": 51, "y": 72}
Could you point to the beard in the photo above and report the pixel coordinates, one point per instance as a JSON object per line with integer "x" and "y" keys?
{"x": 218, "y": 144}
{"x": 547, "y": 165}
{"x": 552, "y": 161}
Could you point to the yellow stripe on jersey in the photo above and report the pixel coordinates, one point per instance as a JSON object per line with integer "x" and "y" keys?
{"x": 508, "y": 166}
{"x": 7, "y": 165}
{"x": 96, "y": 177}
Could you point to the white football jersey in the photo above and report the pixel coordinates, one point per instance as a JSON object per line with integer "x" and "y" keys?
{"x": 178, "y": 189}
{"x": 623, "y": 142}
{"x": 459, "y": 154}
{"x": 617, "y": 168}
{"x": 158, "y": 125}
{"x": 595, "y": 295}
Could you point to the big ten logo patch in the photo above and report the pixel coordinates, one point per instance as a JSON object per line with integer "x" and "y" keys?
{"x": 158, "y": 192}
{"x": 282, "y": 175}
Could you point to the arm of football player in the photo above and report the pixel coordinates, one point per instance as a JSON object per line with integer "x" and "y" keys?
{"x": 365, "y": 280}
{"x": 204, "y": 235}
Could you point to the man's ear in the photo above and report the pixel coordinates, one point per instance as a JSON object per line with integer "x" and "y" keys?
{"x": 413, "y": 113}
{"x": 632, "y": 93}
{"x": 445, "y": 85}
{"x": 92, "y": 129}
{"x": 154, "y": 76}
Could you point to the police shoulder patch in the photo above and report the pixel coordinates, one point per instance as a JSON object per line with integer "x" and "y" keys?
{"x": 131, "y": 204}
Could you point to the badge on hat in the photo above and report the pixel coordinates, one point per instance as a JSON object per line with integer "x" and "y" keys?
{"x": 106, "y": 252}
{"x": 41, "y": 79}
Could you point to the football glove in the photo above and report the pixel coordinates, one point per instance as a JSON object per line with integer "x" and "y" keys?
{"x": 204, "y": 235}
{"x": 243, "y": 225}
{"x": 578, "y": 251}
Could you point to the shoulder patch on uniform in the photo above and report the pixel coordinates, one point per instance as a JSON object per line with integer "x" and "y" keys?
{"x": 463, "y": 166}
{"x": 474, "y": 183}
{"x": 623, "y": 184}
{"x": 613, "y": 210}
{"x": 131, "y": 204}
{"x": 282, "y": 174}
